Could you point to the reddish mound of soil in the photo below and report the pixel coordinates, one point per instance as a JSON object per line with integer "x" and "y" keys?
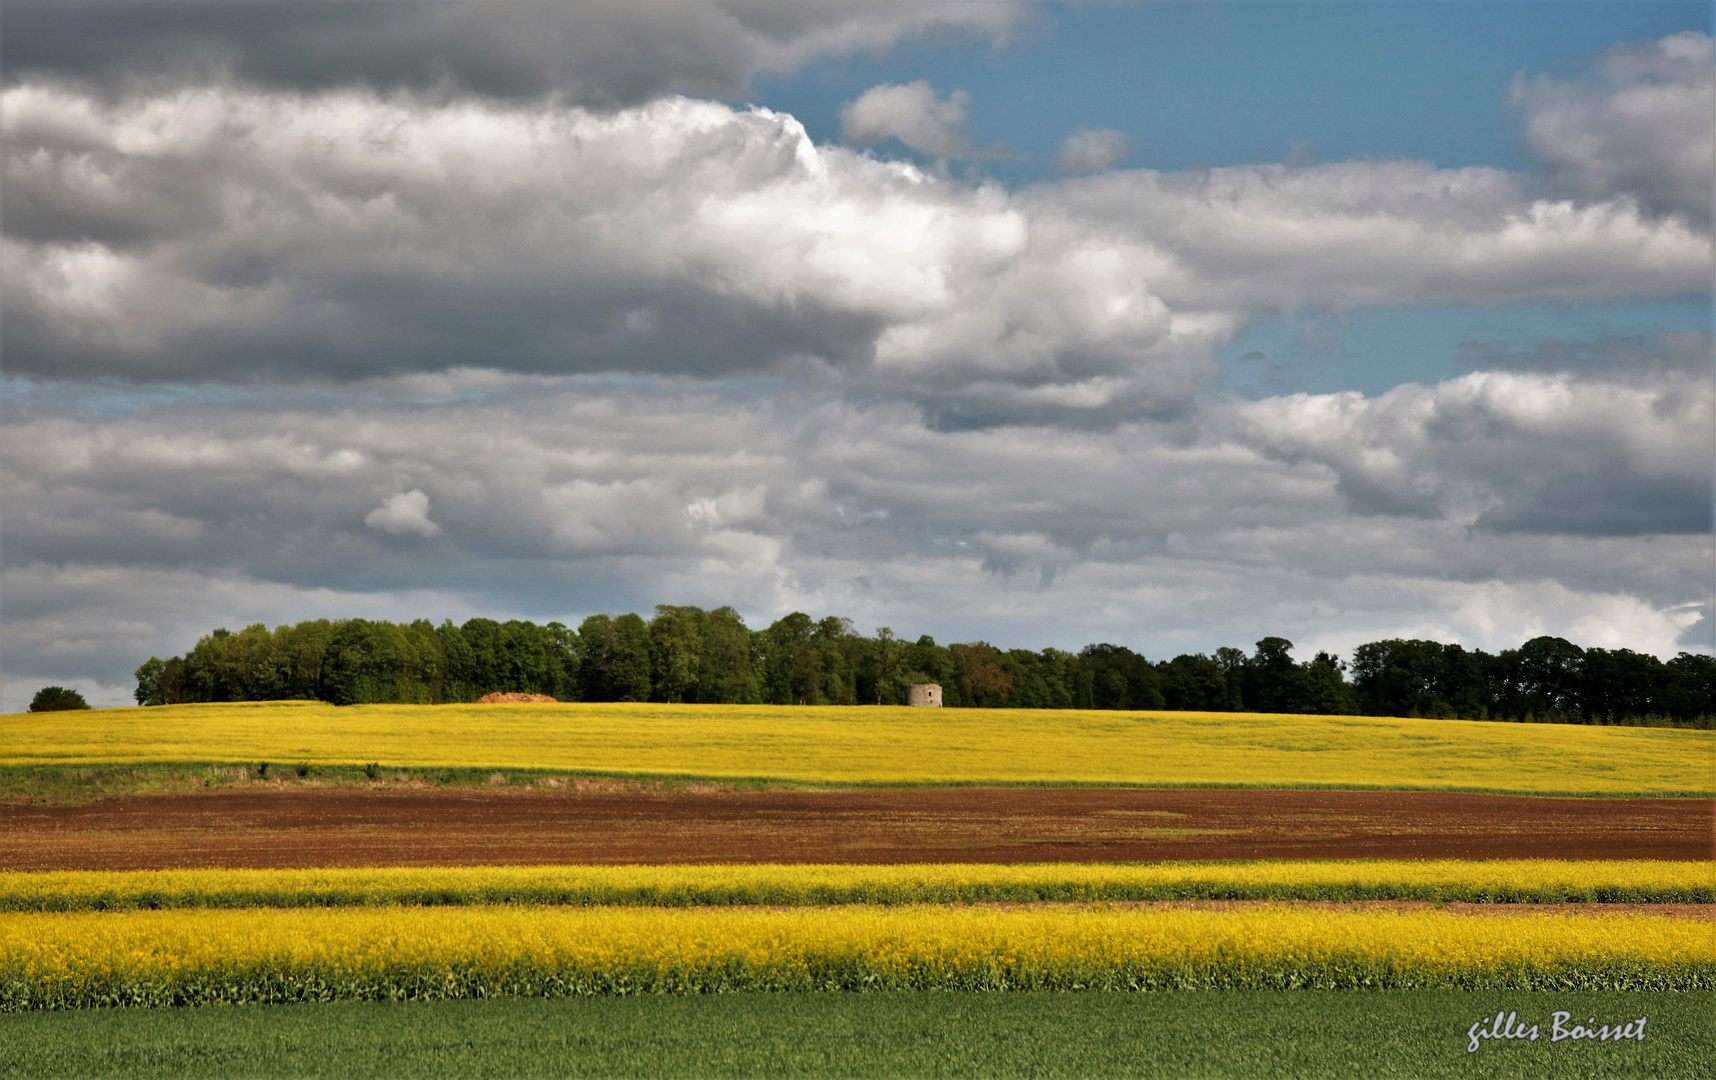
{"x": 617, "y": 823}
{"x": 514, "y": 699}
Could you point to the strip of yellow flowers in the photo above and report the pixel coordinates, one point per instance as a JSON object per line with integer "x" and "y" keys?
{"x": 1505, "y": 881}
{"x": 59, "y": 960}
{"x": 888, "y": 745}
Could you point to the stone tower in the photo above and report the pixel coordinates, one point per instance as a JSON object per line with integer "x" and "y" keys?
{"x": 924, "y": 695}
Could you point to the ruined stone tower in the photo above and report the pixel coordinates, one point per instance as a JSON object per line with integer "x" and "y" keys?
{"x": 924, "y": 695}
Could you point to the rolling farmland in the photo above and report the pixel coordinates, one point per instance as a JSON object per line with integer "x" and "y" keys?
{"x": 565, "y": 851}
{"x": 846, "y": 746}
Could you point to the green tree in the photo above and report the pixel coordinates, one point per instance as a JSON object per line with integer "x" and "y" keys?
{"x": 561, "y": 645}
{"x": 486, "y": 645}
{"x": 57, "y": 699}
{"x": 676, "y": 653}
{"x": 980, "y": 678}
{"x": 883, "y": 671}
{"x": 839, "y": 651}
{"x": 728, "y": 676}
{"x": 381, "y": 663}
{"x": 1420, "y": 678}
{"x": 926, "y": 661}
{"x": 595, "y": 651}
{"x": 298, "y": 650}
{"x": 162, "y": 682}
{"x": 209, "y": 669}
{"x": 1232, "y": 663}
{"x": 631, "y": 662}
{"x": 792, "y": 662}
{"x": 1273, "y": 682}
{"x": 1119, "y": 678}
{"x": 148, "y": 675}
{"x": 1326, "y": 689}
{"x": 1689, "y": 690}
{"x": 1194, "y": 683}
{"x": 460, "y": 676}
{"x": 528, "y": 661}
{"x": 1540, "y": 680}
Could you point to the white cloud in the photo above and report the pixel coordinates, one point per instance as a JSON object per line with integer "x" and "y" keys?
{"x": 1495, "y": 615}
{"x": 403, "y": 512}
{"x": 912, "y": 113}
{"x": 1643, "y": 125}
{"x": 1089, "y": 150}
{"x": 235, "y": 234}
{"x": 1510, "y": 451}
{"x": 1357, "y": 233}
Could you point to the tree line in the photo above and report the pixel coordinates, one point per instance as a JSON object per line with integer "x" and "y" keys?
{"x": 687, "y": 654}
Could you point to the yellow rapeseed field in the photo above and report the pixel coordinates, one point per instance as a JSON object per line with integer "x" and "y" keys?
{"x": 839, "y": 745}
{"x": 1503, "y": 881}
{"x": 200, "y": 955}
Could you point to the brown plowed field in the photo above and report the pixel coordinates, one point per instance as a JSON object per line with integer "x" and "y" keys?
{"x": 305, "y": 827}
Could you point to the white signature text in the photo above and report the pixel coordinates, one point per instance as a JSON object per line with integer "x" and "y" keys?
{"x": 1506, "y": 1025}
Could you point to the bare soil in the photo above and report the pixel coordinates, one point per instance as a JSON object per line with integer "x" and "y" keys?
{"x": 268, "y": 825}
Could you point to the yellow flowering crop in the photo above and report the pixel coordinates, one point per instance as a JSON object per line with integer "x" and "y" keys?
{"x": 50, "y": 960}
{"x": 847, "y": 745}
{"x": 1515, "y": 881}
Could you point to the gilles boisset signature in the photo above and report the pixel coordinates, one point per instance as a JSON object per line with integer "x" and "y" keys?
{"x": 1506, "y": 1025}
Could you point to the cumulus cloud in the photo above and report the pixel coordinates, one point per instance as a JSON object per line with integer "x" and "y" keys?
{"x": 1089, "y": 150}
{"x": 403, "y": 512}
{"x": 1477, "y": 509}
{"x": 1348, "y": 234}
{"x": 586, "y": 52}
{"x": 1642, "y": 124}
{"x": 1511, "y": 452}
{"x": 912, "y": 113}
{"x": 235, "y": 235}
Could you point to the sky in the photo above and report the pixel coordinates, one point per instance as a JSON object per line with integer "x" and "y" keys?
{"x": 1172, "y": 325}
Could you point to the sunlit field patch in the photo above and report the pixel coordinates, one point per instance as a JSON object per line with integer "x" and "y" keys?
{"x": 843, "y": 745}
{"x": 1507, "y": 881}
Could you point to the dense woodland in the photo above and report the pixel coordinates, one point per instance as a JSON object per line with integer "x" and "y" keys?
{"x": 686, "y": 654}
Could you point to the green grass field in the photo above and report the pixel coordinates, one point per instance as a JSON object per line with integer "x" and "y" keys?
{"x": 1254, "y": 1035}
{"x": 840, "y": 745}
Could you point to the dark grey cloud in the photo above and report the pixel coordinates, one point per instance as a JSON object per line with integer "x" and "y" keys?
{"x": 441, "y": 496}
{"x": 1605, "y": 501}
{"x": 598, "y": 54}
